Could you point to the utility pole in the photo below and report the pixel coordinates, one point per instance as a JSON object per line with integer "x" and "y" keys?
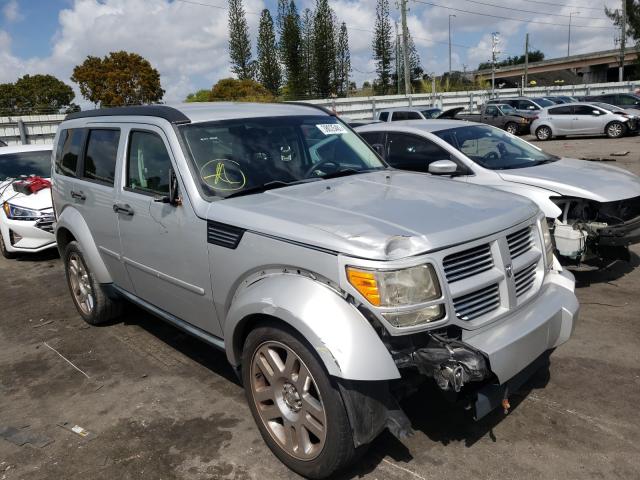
{"x": 526, "y": 61}
{"x": 405, "y": 47}
{"x": 569, "y": 39}
{"x": 495, "y": 40}
{"x": 449, "y": 77}
{"x": 397, "y": 58}
{"x": 623, "y": 40}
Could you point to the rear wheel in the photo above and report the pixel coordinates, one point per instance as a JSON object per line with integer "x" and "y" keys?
{"x": 615, "y": 130}
{"x": 543, "y": 133}
{"x": 87, "y": 294}
{"x": 511, "y": 128}
{"x": 300, "y": 413}
{"x": 3, "y": 249}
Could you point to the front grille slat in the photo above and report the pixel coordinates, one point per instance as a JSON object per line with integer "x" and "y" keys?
{"x": 475, "y": 304}
{"x": 525, "y": 279}
{"x": 520, "y": 242}
{"x": 468, "y": 263}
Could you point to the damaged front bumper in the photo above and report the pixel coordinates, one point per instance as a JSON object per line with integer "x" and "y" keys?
{"x": 620, "y": 235}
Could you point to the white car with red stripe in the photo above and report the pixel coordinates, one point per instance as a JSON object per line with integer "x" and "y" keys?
{"x": 26, "y": 216}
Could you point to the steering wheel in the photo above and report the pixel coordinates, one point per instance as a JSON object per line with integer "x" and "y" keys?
{"x": 326, "y": 161}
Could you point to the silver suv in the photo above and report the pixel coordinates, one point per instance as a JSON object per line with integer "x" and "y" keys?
{"x": 332, "y": 282}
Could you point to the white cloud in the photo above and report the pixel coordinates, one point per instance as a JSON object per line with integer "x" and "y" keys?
{"x": 11, "y": 11}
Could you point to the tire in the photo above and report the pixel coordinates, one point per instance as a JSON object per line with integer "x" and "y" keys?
{"x": 543, "y": 133}
{"x": 615, "y": 130}
{"x": 511, "y": 128}
{"x": 324, "y": 442}
{"x": 3, "y": 249}
{"x": 87, "y": 294}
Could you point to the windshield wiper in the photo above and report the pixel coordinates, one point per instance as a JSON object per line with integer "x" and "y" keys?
{"x": 345, "y": 172}
{"x": 269, "y": 186}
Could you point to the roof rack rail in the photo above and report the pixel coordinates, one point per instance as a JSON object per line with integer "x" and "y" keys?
{"x": 312, "y": 105}
{"x": 170, "y": 114}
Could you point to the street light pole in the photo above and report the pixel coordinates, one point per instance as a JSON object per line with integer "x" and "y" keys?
{"x": 569, "y": 39}
{"x": 450, "y": 43}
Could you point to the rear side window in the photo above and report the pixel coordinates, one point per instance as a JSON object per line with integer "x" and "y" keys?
{"x": 560, "y": 111}
{"x": 491, "y": 110}
{"x": 384, "y": 116}
{"x": 68, "y": 151}
{"x": 148, "y": 165}
{"x": 584, "y": 110}
{"x": 101, "y": 154}
{"x": 397, "y": 116}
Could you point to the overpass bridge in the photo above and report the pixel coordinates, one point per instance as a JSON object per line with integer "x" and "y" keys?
{"x": 592, "y": 67}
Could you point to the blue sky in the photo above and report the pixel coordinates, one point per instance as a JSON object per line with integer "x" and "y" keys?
{"x": 187, "y": 42}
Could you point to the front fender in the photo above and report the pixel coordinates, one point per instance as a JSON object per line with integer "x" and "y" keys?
{"x": 72, "y": 220}
{"x": 345, "y": 341}
{"x": 539, "y": 196}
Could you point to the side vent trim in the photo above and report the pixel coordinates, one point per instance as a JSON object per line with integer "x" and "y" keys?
{"x": 224, "y": 235}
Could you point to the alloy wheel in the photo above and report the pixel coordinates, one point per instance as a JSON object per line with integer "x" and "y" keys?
{"x": 512, "y": 129}
{"x": 288, "y": 401}
{"x": 543, "y": 133}
{"x": 614, "y": 130}
{"x": 80, "y": 284}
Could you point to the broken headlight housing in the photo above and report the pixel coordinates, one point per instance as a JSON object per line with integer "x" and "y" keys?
{"x": 404, "y": 287}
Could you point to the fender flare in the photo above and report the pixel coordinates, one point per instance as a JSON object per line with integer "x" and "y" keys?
{"x": 72, "y": 220}
{"x": 342, "y": 337}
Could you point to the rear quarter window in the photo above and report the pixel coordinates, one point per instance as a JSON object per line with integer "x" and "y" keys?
{"x": 384, "y": 116}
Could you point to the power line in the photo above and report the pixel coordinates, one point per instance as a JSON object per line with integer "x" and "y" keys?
{"x": 201, "y": 4}
{"x": 531, "y": 11}
{"x": 511, "y": 18}
{"x": 418, "y": 38}
{"x": 555, "y": 4}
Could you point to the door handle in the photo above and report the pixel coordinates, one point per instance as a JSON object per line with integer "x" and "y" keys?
{"x": 123, "y": 208}
{"x": 78, "y": 195}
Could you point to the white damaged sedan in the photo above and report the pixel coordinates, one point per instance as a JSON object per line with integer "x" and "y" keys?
{"x": 593, "y": 210}
{"x": 26, "y": 216}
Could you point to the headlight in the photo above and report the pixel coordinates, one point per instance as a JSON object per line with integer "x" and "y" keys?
{"x": 19, "y": 213}
{"x": 548, "y": 243}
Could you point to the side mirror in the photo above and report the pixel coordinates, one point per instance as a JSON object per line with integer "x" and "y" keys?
{"x": 174, "y": 194}
{"x": 443, "y": 167}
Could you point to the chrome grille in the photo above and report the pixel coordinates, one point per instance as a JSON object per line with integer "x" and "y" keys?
{"x": 468, "y": 263}
{"x": 525, "y": 279}
{"x": 478, "y": 303}
{"x": 520, "y": 242}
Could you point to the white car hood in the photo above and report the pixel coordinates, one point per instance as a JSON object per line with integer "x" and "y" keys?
{"x": 36, "y": 201}
{"x": 578, "y": 178}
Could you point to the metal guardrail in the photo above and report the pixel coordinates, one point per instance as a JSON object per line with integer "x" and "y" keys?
{"x": 38, "y": 129}
{"x": 366, "y": 107}
{"x": 29, "y": 129}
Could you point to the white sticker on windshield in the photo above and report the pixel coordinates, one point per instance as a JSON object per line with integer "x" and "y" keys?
{"x": 332, "y": 129}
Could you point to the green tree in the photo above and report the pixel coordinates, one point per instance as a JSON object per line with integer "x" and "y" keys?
{"x": 382, "y": 47}
{"x": 8, "y": 98}
{"x": 306, "y": 51}
{"x": 269, "y": 72}
{"x": 283, "y": 10}
{"x": 248, "y": 90}
{"x": 534, "y": 56}
{"x": 120, "y": 78}
{"x": 199, "y": 96}
{"x": 290, "y": 48}
{"x": 239, "y": 42}
{"x": 36, "y": 94}
{"x": 343, "y": 61}
{"x": 324, "y": 50}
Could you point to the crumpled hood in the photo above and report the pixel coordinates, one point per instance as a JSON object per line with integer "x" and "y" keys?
{"x": 380, "y": 215}
{"x": 579, "y": 178}
{"x": 36, "y": 201}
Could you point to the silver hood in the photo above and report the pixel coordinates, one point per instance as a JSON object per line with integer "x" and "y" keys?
{"x": 380, "y": 215}
{"x": 578, "y": 178}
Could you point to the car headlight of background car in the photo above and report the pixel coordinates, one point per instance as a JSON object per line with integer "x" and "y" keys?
{"x": 20, "y": 213}
{"x": 404, "y": 287}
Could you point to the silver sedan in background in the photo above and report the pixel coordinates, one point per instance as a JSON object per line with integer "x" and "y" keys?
{"x": 580, "y": 119}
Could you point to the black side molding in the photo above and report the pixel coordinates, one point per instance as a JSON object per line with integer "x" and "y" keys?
{"x": 224, "y": 235}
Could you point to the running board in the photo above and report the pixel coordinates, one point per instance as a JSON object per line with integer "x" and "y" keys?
{"x": 209, "y": 339}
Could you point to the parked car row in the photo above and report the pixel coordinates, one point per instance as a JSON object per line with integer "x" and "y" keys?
{"x": 334, "y": 282}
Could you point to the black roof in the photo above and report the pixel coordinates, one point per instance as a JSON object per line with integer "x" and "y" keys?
{"x": 170, "y": 114}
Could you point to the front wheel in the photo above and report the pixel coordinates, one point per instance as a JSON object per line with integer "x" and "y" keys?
{"x": 511, "y": 128}
{"x": 615, "y": 130}
{"x": 543, "y": 133}
{"x": 300, "y": 413}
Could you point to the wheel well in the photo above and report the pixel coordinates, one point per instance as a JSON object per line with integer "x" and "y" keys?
{"x": 613, "y": 121}
{"x": 249, "y": 323}
{"x": 64, "y": 237}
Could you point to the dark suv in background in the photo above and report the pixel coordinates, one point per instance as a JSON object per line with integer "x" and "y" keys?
{"x": 622, "y": 100}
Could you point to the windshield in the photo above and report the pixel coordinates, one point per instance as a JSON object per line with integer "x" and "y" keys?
{"x": 493, "y": 148}
{"x": 507, "y": 109}
{"x": 606, "y": 106}
{"x": 431, "y": 113}
{"x": 232, "y": 157}
{"x": 543, "y": 102}
{"x": 13, "y": 165}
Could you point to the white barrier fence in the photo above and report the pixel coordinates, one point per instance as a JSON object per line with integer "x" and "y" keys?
{"x": 29, "y": 129}
{"x": 366, "y": 107}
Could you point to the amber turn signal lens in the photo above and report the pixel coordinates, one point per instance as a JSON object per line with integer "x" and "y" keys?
{"x": 365, "y": 282}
